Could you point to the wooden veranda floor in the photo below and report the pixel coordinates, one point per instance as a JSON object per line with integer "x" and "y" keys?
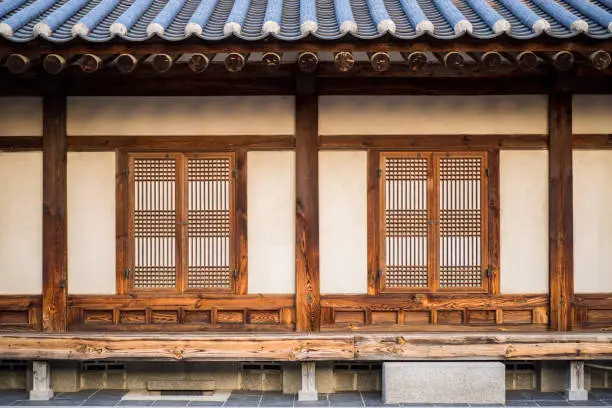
{"x": 303, "y": 347}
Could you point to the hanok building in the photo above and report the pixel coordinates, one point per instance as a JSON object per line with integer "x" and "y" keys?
{"x": 242, "y": 188}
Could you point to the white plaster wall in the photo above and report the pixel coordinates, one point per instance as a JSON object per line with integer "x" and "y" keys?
{"x": 592, "y": 221}
{"x": 524, "y": 221}
{"x": 342, "y": 115}
{"x": 175, "y": 116}
{"x": 20, "y": 116}
{"x": 591, "y": 114}
{"x": 343, "y": 221}
{"x": 91, "y": 223}
{"x": 271, "y": 221}
{"x": 21, "y": 223}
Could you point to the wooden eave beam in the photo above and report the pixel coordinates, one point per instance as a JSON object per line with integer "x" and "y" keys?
{"x": 55, "y": 237}
{"x": 561, "y": 243}
{"x": 387, "y": 44}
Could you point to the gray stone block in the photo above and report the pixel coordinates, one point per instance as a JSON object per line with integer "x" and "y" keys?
{"x": 444, "y": 383}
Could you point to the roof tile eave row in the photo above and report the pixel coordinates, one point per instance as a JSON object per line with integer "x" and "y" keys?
{"x": 177, "y": 20}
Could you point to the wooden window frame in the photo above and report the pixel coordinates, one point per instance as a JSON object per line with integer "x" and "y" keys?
{"x": 490, "y": 216}
{"x": 238, "y": 223}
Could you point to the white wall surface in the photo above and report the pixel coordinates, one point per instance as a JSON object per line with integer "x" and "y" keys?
{"x": 21, "y": 223}
{"x": 341, "y": 115}
{"x": 91, "y": 223}
{"x": 591, "y": 114}
{"x": 174, "y": 116}
{"x": 343, "y": 216}
{"x": 20, "y": 116}
{"x": 524, "y": 221}
{"x": 271, "y": 221}
{"x": 592, "y": 221}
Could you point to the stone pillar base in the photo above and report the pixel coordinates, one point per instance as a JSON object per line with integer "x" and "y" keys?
{"x": 308, "y": 389}
{"x": 41, "y": 395}
{"x": 41, "y": 381}
{"x": 577, "y": 395}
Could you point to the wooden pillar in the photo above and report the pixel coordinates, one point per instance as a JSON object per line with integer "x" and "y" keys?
{"x": 307, "y": 205}
{"x": 54, "y": 215}
{"x": 561, "y": 243}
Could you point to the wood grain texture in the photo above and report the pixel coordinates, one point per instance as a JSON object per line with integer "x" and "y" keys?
{"x": 182, "y": 313}
{"x": 169, "y": 347}
{"x": 466, "y": 346}
{"x": 55, "y": 237}
{"x": 561, "y": 245}
{"x": 374, "y": 233}
{"x": 307, "y": 347}
{"x": 20, "y": 313}
{"x": 494, "y": 222}
{"x": 200, "y": 143}
{"x": 121, "y": 220}
{"x": 307, "y": 209}
{"x": 592, "y": 312}
{"x": 241, "y": 281}
{"x": 434, "y": 312}
{"x": 434, "y": 142}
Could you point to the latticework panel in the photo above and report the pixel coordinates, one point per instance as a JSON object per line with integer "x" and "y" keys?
{"x": 461, "y": 222}
{"x": 209, "y": 213}
{"x": 406, "y": 222}
{"x": 154, "y": 223}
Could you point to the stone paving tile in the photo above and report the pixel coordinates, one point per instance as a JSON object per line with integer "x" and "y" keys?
{"x": 319, "y": 403}
{"x": 206, "y": 403}
{"x": 523, "y": 403}
{"x": 346, "y": 399}
{"x": 277, "y": 400}
{"x": 554, "y": 404}
{"x": 136, "y": 403}
{"x": 544, "y": 396}
{"x": 515, "y": 395}
{"x": 177, "y": 403}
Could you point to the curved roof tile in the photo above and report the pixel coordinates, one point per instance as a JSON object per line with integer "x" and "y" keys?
{"x": 211, "y": 20}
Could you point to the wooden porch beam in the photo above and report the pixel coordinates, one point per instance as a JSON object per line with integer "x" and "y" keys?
{"x": 55, "y": 276}
{"x": 561, "y": 242}
{"x": 307, "y": 205}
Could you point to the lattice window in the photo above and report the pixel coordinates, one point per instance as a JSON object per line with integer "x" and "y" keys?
{"x": 461, "y": 223}
{"x": 406, "y": 221}
{"x": 210, "y": 194}
{"x": 433, "y": 221}
{"x": 154, "y": 222}
{"x": 181, "y": 228}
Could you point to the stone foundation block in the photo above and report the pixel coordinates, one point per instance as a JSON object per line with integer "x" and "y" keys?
{"x": 444, "y": 383}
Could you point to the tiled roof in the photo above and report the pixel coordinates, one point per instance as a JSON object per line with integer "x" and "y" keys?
{"x": 137, "y": 20}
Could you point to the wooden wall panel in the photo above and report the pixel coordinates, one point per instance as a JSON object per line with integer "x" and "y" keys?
{"x": 20, "y": 313}
{"x": 592, "y": 312}
{"x": 434, "y": 312}
{"x": 182, "y": 313}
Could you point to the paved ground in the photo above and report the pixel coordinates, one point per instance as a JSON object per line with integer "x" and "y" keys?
{"x": 108, "y": 398}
